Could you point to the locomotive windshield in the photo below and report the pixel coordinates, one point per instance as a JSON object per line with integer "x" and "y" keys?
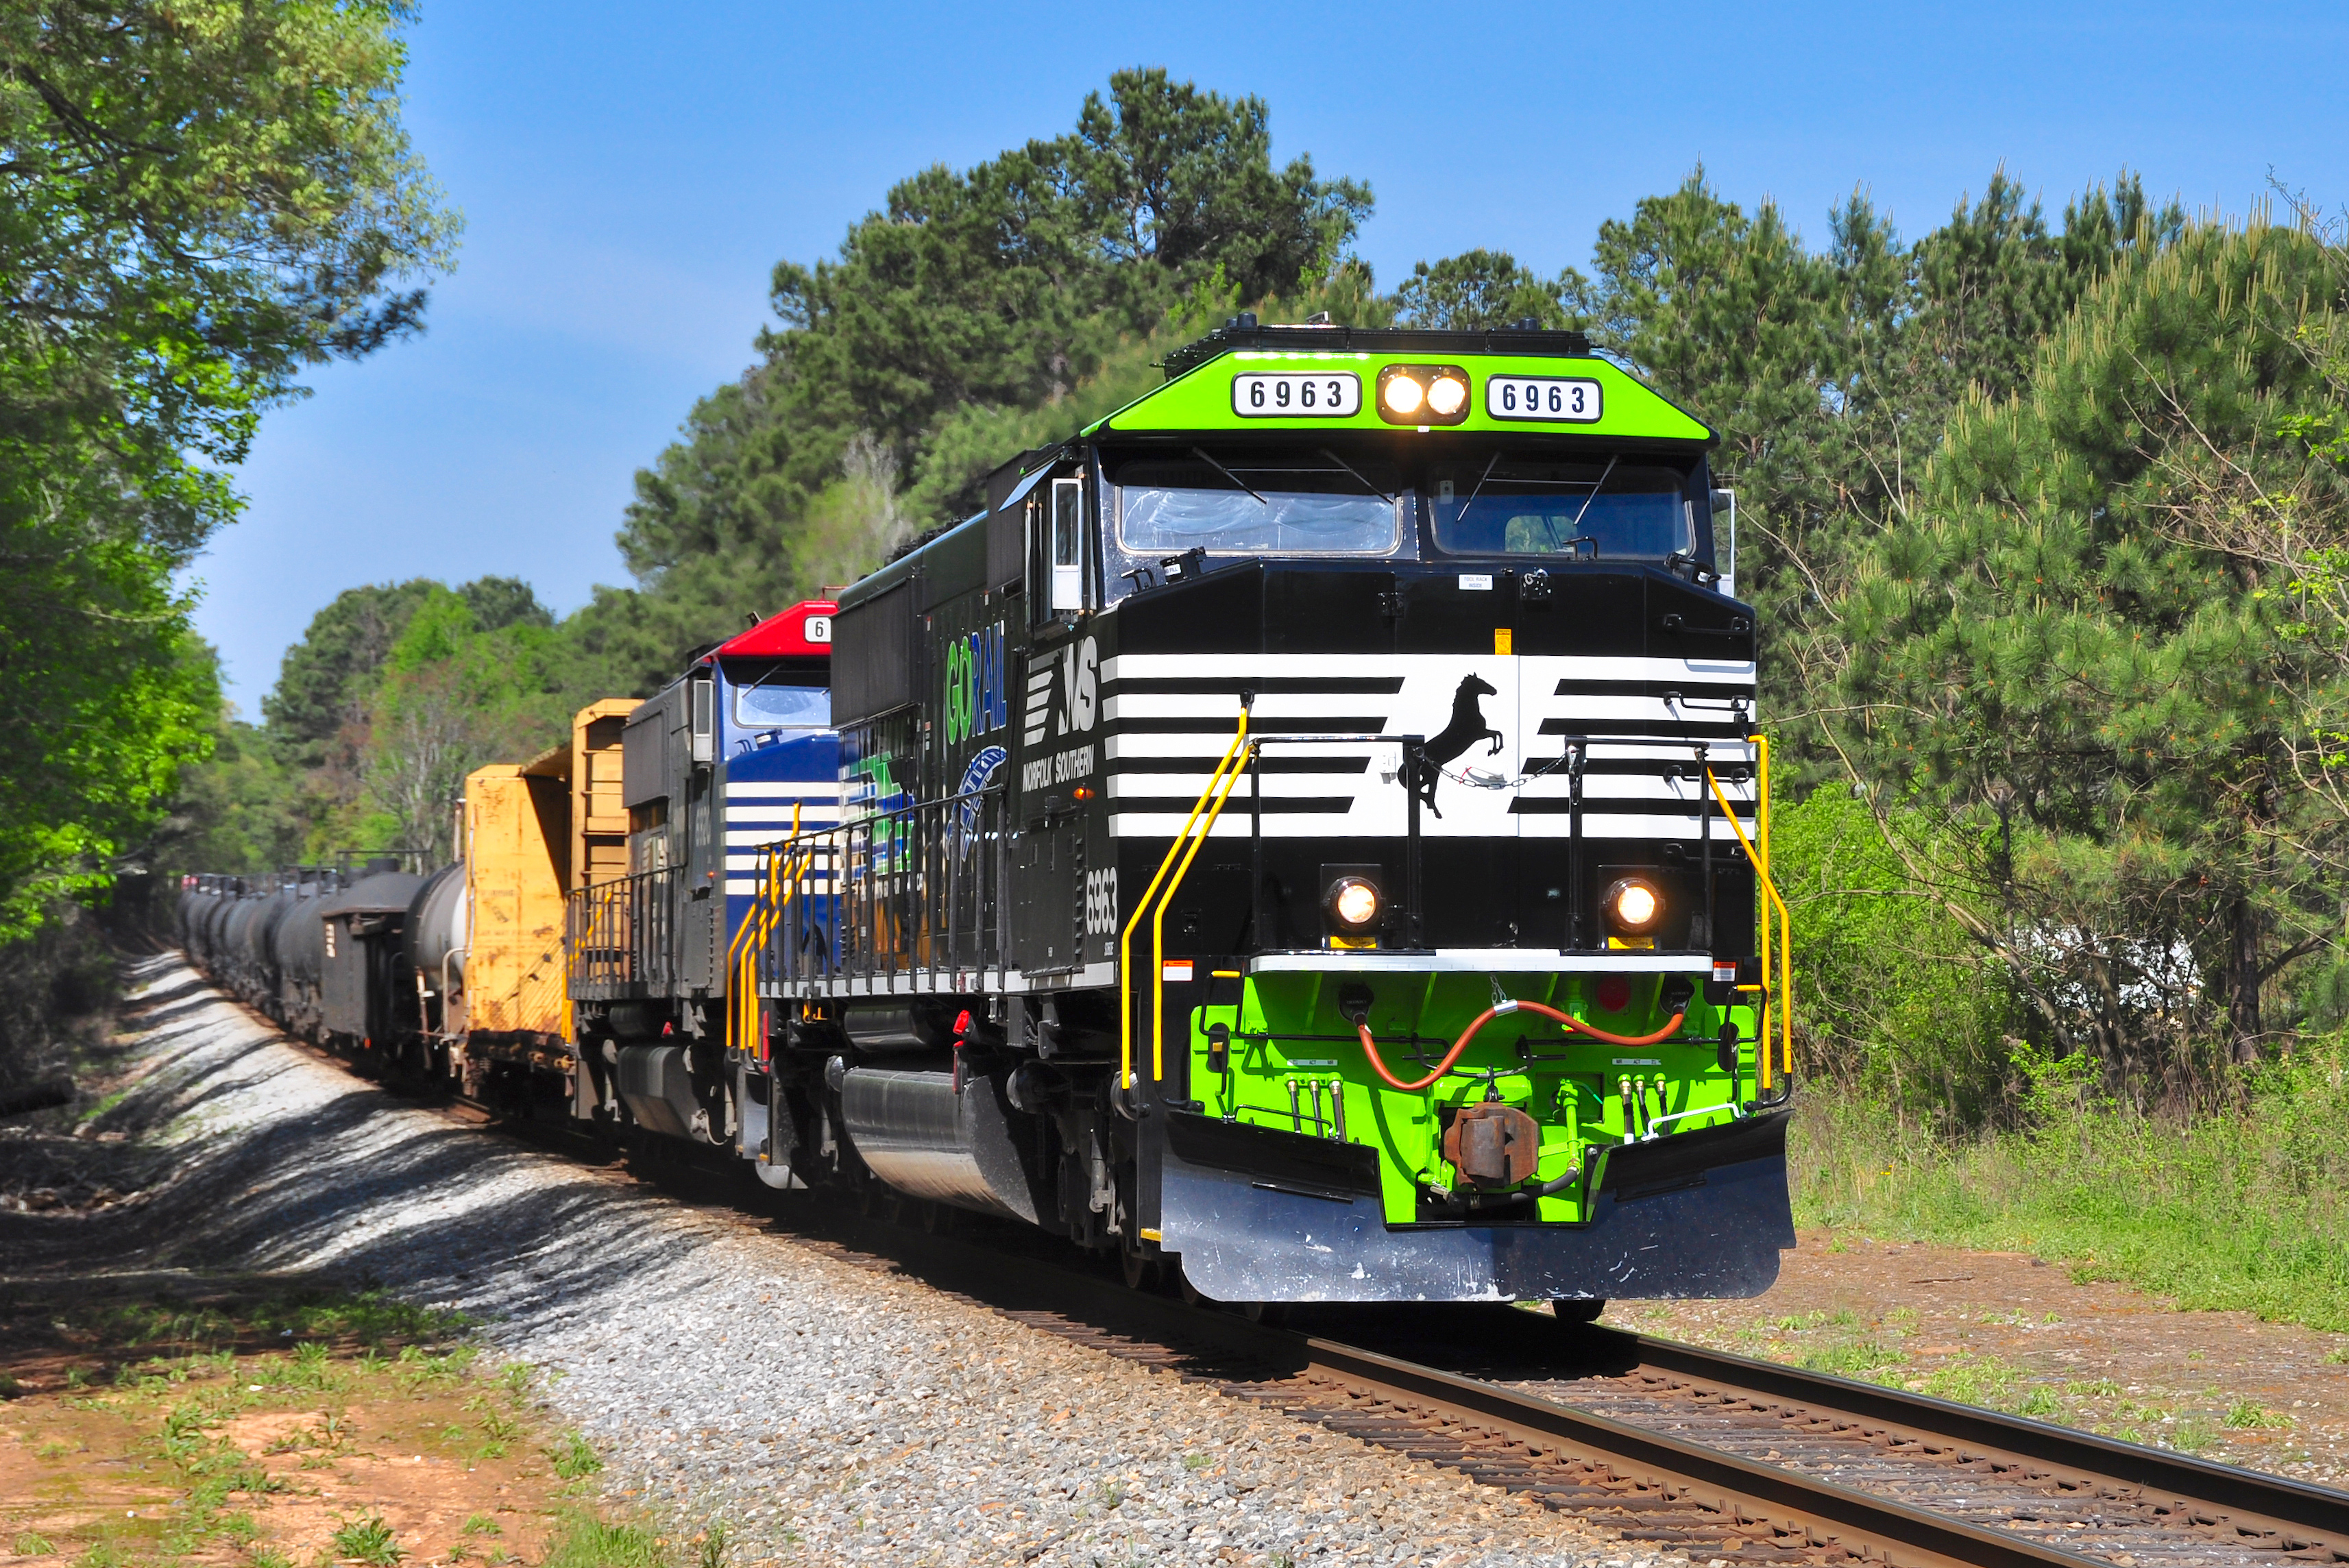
{"x": 1241, "y": 504}
{"x": 1611, "y": 511}
{"x": 782, "y": 697}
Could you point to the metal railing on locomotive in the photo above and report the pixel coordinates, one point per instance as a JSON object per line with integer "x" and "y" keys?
{"x": 1775, "y": 929}
{"x": 897, "y": 902}
{"x": 741, "y": 965}
{"x": 621, "y": 936}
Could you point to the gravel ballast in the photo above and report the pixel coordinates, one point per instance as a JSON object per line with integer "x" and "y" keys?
{"x": 821, "y": 1412}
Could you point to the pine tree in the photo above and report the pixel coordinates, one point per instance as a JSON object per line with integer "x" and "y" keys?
{"x": 2058, "y": 630}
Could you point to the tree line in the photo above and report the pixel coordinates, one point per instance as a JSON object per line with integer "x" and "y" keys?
{"x": 2042, "y": 512}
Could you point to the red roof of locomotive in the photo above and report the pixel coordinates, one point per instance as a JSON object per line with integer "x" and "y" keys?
{"x": 805, "y": 630}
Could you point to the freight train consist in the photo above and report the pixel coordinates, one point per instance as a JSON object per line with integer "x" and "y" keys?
{"x": 1307, "y": 836}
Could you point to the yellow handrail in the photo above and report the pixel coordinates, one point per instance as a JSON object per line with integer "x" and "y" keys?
{"x": 1158, "y": 925}
{"x": 1125, "y": 936}
{"x": 738, "y": 951}
{"x": 1786, "y": 934}
{"x": 1786, "y": 919}
{"x": 784, "y": 877}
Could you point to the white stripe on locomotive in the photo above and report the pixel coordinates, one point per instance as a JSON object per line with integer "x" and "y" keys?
{"x": 1374, "y": 805}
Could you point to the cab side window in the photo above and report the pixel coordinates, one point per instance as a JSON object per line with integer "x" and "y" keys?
{"x": 1058, "y": 559}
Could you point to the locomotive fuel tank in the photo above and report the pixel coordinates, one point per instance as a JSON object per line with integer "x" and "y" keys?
{"x": 932, "y": 1136}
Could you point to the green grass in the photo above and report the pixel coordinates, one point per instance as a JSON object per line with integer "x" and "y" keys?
{"x": 2245, "y": 1210}
{"x": 2244, "y": 1415}
{"x": 573, "y": 1457}
{"x": 1853, "y": 1358}
{"x": 585, "y": 1541}
{"x": 368, "y": 1541}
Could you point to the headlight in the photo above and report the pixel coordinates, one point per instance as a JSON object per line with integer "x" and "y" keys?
{"x": 1354, "y": 903}
{"x": 1634, "y": 906}
{"x": 1423, "y": 395}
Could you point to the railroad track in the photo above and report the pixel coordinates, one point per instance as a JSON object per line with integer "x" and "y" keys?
{"x": 1721, "y": 1458}
{"x": 1713, "y": 1455}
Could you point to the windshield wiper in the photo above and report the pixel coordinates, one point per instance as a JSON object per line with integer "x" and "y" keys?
{"x": 1350, "y": 469}
{"x": 1200, "y": 452}
{"x": 1487, "y": 474}
{"x": 1594, "y": 496}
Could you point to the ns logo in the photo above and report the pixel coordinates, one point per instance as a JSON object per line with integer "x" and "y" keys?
{"x": 1062, "y": 692}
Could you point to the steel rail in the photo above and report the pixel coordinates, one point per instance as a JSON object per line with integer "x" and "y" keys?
{"x": 1740, "y": 1489}
{"x": 2303, "y": 1517}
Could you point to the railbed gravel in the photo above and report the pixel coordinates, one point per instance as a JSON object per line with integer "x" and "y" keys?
{"x": 823, "y": 1412}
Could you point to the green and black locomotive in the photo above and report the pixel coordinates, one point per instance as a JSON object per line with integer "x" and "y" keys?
{"x": 1311, "y": 831}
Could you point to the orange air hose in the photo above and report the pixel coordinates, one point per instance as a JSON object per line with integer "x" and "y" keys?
{"x": 1371, "y": 1049}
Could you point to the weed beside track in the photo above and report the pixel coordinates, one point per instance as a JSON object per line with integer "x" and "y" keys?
{"x": 248, "y": 1423}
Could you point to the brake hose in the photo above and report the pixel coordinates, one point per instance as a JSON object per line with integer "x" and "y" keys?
{"x": 1370, "y": 1049}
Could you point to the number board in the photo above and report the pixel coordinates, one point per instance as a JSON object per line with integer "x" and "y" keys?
{"x": 1566, "y": 399}
{"x": 1296, "y": 393}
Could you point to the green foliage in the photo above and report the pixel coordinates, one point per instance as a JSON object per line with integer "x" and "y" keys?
{"x": 2056, "y": 632}
{"x": 238, "y": 810}
{"x": 2244, "y": 1209}
{"x": 1480, "y": 289}
{"x": 326, "y": 681}
{"x": 2247, "y": 1414}
{"x": 196, "y": 199}
{"x": 393, "y": 694}
{"x": 585, "y": 1541}
{"x": 573, "y": 1457}
{"x": 371, "y": 1540}
{"x": 454, "y": 694}
{"x": 1892, "y": 998}
{"x": 1854, "y": 1359}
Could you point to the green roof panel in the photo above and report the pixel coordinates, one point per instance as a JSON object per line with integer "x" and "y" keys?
{"x": 1204, "y": 398}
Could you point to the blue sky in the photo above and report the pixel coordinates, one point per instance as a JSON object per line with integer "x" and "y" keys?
{"x": 629, "y": 174}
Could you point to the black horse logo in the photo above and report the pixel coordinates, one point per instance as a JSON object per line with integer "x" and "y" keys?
{"x": 1467, "y": 728}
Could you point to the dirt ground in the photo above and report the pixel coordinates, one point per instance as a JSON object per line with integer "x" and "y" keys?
{"x": 2021, "y": 1335}
{"x": 253, "y": 1425}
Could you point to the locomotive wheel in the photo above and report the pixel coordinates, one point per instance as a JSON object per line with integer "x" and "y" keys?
{"x": 1141, "y": 1272}
{"x": 1187, "y": 1291}
{"x": 1578, "y": 1310}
